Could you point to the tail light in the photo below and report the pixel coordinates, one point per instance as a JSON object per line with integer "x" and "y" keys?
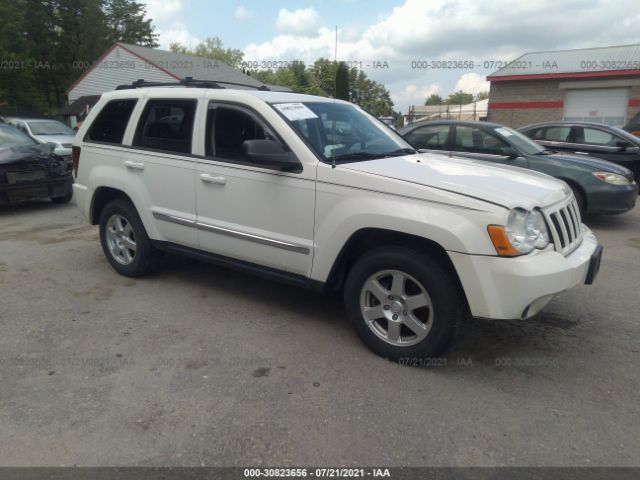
{"x": 75, "y": 160}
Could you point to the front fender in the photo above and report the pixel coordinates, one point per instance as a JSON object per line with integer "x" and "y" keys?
{"x": 340, "y": 214}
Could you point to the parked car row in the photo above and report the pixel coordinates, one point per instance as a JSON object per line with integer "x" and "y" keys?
{"x": 599, "y": 186}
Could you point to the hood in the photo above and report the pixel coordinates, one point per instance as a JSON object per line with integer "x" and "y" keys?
{"x": 61, "y": 139}
{"x": 593, "y": 163}
{"x": 28, "y": 153}
{"x": 506, "y": 186}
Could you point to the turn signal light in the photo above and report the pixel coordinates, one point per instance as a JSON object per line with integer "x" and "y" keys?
{"x": 500, "y": 241}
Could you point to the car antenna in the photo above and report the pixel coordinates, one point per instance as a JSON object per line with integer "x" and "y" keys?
{"x": 335, "y": 92}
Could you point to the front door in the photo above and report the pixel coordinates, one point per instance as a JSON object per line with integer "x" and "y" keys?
{"x": 248, "y": 212}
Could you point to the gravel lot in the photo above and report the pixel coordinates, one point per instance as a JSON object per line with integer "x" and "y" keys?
{"x": 198, "y": 365}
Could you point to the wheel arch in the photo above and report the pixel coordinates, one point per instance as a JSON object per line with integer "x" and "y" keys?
{"x": 101, "y": 197}
{"x": 575, "y": 185}
{"x": 368, "y": 239}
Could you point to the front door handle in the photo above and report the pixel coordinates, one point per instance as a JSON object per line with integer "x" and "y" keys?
{"x": 133, "y": 165}
{"x": 206, "y": 178}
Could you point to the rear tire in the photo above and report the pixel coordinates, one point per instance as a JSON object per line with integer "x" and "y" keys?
{"x": 403, "y": 304}
{"x": 125, "y": 241}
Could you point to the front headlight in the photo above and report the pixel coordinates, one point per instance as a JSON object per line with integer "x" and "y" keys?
{"x": 525, "y": 231}
{"x": 612, "y": 178}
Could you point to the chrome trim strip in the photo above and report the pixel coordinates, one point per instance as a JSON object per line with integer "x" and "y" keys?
{"x": 292, "y": 247}
{"x": 173, "y": 219}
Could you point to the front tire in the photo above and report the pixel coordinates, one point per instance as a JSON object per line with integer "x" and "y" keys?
{"x": 403, "y": 304}
{"x": 124, "y": 240}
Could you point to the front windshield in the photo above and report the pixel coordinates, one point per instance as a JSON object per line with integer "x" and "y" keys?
{"x": 12, "y": 137}
{"x": 49, "y": 127}
{"x": 342, "y": 132}
{"x": 518, "y": 140}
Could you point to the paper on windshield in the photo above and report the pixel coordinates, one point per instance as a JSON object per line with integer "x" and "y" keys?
{"x": 504, "y": 132}
{"x": 295, "y": 111}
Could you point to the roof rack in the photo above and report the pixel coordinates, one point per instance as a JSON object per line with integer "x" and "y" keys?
{"x": 188, "y": 82}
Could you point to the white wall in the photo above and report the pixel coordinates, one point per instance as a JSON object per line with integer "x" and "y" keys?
{"x": 117, "y": 68}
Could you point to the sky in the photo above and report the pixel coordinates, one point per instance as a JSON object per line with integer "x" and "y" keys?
{"x": 392, "y": 41}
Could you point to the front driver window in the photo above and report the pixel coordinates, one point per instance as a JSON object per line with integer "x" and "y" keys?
{"x": 227, "y": 128}
{"x": 593, "y": 136}
{"x": 476, "y": 140}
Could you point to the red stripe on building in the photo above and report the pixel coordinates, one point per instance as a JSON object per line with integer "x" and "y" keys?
{"x": 525, "y": 105}
{"x": 544, "y": 76}
{"x": 634, "y": 102}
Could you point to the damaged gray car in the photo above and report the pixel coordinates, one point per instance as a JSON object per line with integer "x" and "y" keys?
{"x": 31, "y": 171}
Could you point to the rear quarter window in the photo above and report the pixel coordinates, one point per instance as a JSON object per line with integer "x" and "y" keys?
{"x": 110, "y": 124}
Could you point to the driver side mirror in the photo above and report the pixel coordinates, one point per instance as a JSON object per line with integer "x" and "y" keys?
{"x": 623, "y": 145}
{"x": 269, "y": 154}
{"x": 509, "y": 152}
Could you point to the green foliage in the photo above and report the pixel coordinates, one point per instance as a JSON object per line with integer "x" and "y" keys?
{"x": 213, "y": 48}
{"x": 51, "y": 42}
{"x": 342, "y": 81}
{"x": 320, "y": 79}
{"x": 459, "y": 98}
{"x": 481, "y": 96}
{"x": 434, "y": 99}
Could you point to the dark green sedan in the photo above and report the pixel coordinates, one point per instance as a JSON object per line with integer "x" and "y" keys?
{"x": 598, "y": 185}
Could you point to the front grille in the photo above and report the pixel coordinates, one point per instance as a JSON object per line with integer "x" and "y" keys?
{"x": 565, "y": 225}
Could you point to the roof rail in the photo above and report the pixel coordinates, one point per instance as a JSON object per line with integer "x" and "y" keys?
{"x": 188, "y": 82}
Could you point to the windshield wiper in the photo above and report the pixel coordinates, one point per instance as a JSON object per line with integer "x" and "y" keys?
{"x": 356, "y": 156}
{"x": 400, "y": 151}
{"x": 372, "y": 156}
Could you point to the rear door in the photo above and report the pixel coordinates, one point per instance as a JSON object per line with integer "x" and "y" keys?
{"x": 248, "y": 212}
{"x": 159, "y": 169}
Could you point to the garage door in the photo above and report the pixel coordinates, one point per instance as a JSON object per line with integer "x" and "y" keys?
{"x": 602, "y": 105}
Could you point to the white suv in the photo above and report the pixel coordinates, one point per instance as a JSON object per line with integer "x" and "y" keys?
{"x": 318, "y": 193}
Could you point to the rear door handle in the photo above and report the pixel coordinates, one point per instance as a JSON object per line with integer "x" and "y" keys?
{"x": 133, "y": 165}
{"x": 206, "y": 178}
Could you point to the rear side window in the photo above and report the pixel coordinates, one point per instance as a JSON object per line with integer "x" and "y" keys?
{"x": 556, "y": 134}
{"x": 432, "y": 137}
{"x": 111, "y": 122}
{"x": 166, "y": 125}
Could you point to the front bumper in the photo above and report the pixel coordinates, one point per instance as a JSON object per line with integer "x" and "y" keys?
{"x": 613, "y": 199}
{"x": 42, "y": 189}
{"x": 518, "y": 288}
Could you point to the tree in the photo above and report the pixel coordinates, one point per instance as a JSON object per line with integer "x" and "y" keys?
{"x": 342, "y": 81}
{"x": 321, "y": 78}
{"x": 49, "y": 43}
{"x": 459, "y": 98}
{"x": 213, "y": 48}
{"x": 434, "y": 99}
{"x": 127, "y": 22}
{"x": 481, "y": 96}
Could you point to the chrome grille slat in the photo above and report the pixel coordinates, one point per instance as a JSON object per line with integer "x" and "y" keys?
{"x": 563, "y": 220}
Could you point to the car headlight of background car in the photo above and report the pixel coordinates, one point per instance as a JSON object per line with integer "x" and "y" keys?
{"x": 612, "y": 178}
{"x": 525, "y": 231}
